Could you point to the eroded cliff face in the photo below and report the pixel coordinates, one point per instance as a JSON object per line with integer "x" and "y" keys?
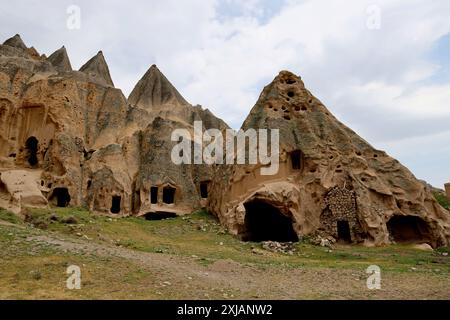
{"x": 330, "y": 181}
{"x": 70, "y": 138}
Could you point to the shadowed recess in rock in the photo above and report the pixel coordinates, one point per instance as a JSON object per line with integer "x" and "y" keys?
{"x": 154, "y": 195}
{"x": 169, "y": 195}
{"x": 160, "y": 215}
{"x": 115, "y": 204}
{"x": 61, "y": 197}
{"x": 343, "y": 232}
{"x": 32, "y": 148}
{"x": 408, "y": 229}
{"x": 264, "y": 222}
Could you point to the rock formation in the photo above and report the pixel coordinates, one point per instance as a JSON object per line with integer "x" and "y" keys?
{"x": 154, "y": 90}
{"x": 70, "y": 138}
{"x": 16, "y": 42}
{"x": 330, "y": 181}
{"x": 97, "y": 68}
{"x": 60, "y": 60}
{"x": 447, "y": 190}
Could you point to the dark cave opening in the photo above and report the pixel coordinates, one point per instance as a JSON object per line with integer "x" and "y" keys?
{"x": 264, "y": 222}
{"x": 160, "y": 215}
{"x": 204, "y": 190}
{"x": 169, "y": 195}
{"x": 62, "y": 197}
{"x": 408, "y": 229}
{"x": 31, "y": 146}
{"x": 343, "y": 231}
{"x": 154, "y": 195}
{"x": 296, "y": 160}
{"x": 115, "y": 204}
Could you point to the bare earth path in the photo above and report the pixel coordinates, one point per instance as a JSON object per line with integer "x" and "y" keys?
{"x": 248, "y": 281}
{"x": 193, "y": 258}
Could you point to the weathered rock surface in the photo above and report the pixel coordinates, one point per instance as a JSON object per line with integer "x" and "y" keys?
{"x": 15, "y": 42}
{"x": 60, "y": 60}
{"x": 70, "y": 138}
{"x": 84, "y": 144}
{"x": 97, "y": 68}
{"x": 330, "y": 182}
{"x": 24, "y": 188}
{"x": 155, "y": 90}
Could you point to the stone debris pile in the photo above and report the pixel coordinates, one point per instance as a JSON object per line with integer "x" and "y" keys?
{"x": 279, "y": 247}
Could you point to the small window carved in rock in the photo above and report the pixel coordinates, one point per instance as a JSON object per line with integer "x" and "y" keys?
{"x": 154, "y": 195}
{"x": 169, "y": 195}
{"x": 296, "y": 160}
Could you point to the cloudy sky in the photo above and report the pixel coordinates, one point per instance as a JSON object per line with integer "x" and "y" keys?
{"x": 382, "y": 67}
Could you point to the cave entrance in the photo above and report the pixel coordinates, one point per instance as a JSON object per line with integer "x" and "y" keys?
{"x": 160, "y": 215}
{"x": 169, "y": 195}
{"x": 115, "y": 204}
{"x": 62, "y": 197}
{"x": 296, "y": 160}
{"x": 408, "y": 229}
{"x": 31, "y": 146}
{"x": 154, "y": 195}
{"x": 204, "y": 190}
{"x": 264, "y": 222}
{"x": 343, "y": 232}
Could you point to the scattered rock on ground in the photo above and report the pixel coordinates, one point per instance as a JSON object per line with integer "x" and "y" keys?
{"x": 279, "y": 247}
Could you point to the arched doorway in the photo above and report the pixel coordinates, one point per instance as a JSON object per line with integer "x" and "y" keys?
{"x": 343, "y": 232}
{"x": 408, "y": 229}
{"x": 116, "y": 204}
{"x": 264, "y": 222}
{"x": 31, "y": 146}
{"x": 169, "y": 195}
{"x": 60, "y": 197}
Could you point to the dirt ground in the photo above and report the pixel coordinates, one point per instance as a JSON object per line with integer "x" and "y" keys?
{"x": 34, "y": 263}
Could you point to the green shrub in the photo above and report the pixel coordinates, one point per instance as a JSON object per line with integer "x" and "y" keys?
{"x": 442, "y": 199}
{"x": 8, "y": 216}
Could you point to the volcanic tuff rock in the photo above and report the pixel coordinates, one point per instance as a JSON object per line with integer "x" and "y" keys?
{"x": 97, "y": 68}
{"x": 74, "y": 139}
{"x": 154, "y": 90}
{"x": 70, "y": 138}
{"x": 330, "y": 181}
{"x": 15, "y": 42}
{"x": 60, "y": 60}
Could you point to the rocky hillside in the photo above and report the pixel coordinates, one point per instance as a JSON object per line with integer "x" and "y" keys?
{"x": 71, "y": 138}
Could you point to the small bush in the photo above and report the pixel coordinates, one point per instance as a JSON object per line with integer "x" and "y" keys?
{"x": 442, "y": 199}
{"x": 9, "y": 217}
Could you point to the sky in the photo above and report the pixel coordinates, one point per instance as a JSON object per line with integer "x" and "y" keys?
{"x": 382, "y": 67}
